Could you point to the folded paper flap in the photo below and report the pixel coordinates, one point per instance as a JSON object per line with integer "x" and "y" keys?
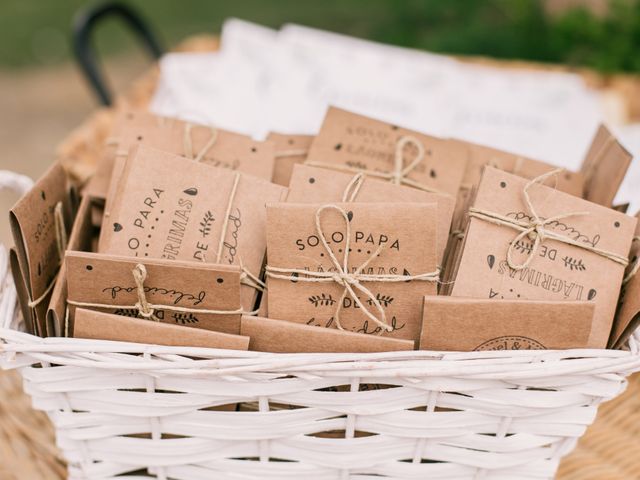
{"x": 108, "y": 279}
{"x": 33, "y": 226}
{"x": 604, "y": 167}
{"x": 104, "y": 326}
{"x": 315, "y": 185}
{"x": 80, "y": 238}
{"x": 594, "y": 225}
{"x": 279, "y": 336}
{"x": 470, "y": 324}
{"x": 216, "y": 147}
{"x": 480, "y": 156}
{"x": 363, "y": 143}
{"x": 297, "y": 143}
{"x": 628, "y": 314}
{"x": 373, "y": 225}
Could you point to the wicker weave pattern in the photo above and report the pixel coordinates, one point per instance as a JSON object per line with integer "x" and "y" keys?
{"x": 447, "y": 415}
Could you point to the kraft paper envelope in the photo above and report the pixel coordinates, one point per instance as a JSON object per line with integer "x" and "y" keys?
{"x": 317, "y": 185}
{"x": 289, "y": 151}
{"x": 36, "y": 261}
{"x": 557, "y": 270}
{"x": 211, "y": 146}
{"x": 361, "y": 143}
{"x": 279, "y": 336}
{"x": 395, "y": 239}
{"x": 628, "y": 314}
{"x": 479, "y": 156}
{"x": 467, "y": 324}
{"x": 186, "y": 286}
{"x": 105, "y": 326}
{"x": 164, "y": 206}
{"x": 604, "y": 167}
{"x": 82, "y": 234}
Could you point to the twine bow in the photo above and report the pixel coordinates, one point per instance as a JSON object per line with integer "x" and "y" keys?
{"x": 400, "y": 172}
{"x": 144, "y": 308}
{"x": 536, "y": 228}
{"x": 147, "y": 309}
{"x": 351, "y": 282}
{"x": 188, "y": 143}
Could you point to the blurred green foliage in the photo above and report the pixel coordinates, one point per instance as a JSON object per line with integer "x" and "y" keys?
{"x": 37, "y": 32}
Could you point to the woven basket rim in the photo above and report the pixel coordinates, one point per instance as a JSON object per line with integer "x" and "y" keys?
{"x": 495, "y": 364}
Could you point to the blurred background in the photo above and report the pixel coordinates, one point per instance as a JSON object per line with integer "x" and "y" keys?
{"x": 43, "y": 96}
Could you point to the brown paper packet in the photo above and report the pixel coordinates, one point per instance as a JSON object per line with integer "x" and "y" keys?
{"x": 164, "y": 206}
{"x": 480, "y": 155}
{"x": 361, "y": 143}
{"x": 604, "y": 167}
{"x": 628, "y": 314}
{"x": 468, "y": 324}
{"x": 289, "y": 151}
{"x": 81, "y": 238}
{"x": 104, "y": 326}
{"x": 557, "y": 271}
{"x": 37, "y": 260}
{"x": 219, "y": 148}
{"x": 279, "y": 336}
{"x": 98, "y": 279}
{"x": 319, "y": 185}
{"x": 407, "y": 232}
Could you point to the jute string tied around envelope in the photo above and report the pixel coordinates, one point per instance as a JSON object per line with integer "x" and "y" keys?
{"x": 352, "y": 282}
{"x": 246, "y": 277}
{"x": 536, "y": 228}
{"x": 634, "y": 269}
{"x": 400, "y": 172}
{"x": 61, "y": 244}
{"x": 146, "y": 309}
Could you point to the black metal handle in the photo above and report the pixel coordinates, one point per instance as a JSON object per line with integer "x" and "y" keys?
{"x": 84, "y": 23}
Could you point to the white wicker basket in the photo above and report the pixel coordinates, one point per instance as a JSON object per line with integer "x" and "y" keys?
{"x": 121, "y": 407}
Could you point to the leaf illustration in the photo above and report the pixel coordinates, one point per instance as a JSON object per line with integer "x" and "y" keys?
{"x": 384, "y": 300}
{"x": 523, "y": 247}
{"x": 574, "y": 264}
{"x": 322, "y": 300}
{"x": 184, "y": 318}
{"x": 205, "y": 224}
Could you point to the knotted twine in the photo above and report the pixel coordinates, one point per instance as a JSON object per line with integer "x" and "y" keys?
{"x": 188, "y": 143}
{"x": 146, "y": 309}
{"x": 351, "y": 282}
{"x": 61, "y": 245}
{"x": 536, "y": 230}
{"x": 398, "y": 175}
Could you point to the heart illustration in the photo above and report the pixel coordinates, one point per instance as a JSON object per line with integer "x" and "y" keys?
{"x": 491, "y": 260}
{"x": 191, "y": 191}
{"x": 350, "y": 215}
{"x": 592, "y": 294}
{"x": 117, "y": 227}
